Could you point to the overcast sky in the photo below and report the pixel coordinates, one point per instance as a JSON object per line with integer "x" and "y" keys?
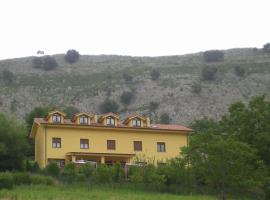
{"x": 131, "y": 27}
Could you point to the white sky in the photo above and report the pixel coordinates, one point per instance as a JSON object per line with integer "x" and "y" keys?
{"x": 131, "y": 27}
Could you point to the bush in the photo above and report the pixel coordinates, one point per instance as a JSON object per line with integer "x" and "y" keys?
{"x": 52, "y": 169}
{"x": 8, "y": 77}
{"x": 86, "y": 170}
{"x": 37, "y": 62}
{"x": 266, "y": 47}
{"x": 118, "y": 172}
{"x": 209, "y": 73}
{"x": 196, "y": 88}
{"x": 21, "y": 178}
{"x": 72, "y": 56}
{"x": 126, "y": 98}
{"x": 239, "y": 71}
{"x": 37, "y": 179}
{"x": 155, "y": 74}
{"x": 165, "y": 118}
{"x": 213, "y": 56}
{"x": 49, "y": 63}
{"x": 108, "y": 105}
{"x": 128, "y": 78}
{"x": 153, "y": 106}
{"x": 103, "y": 174}
{"x": 6, "y": 181}
{"x": 69, "y": 173}
{"x": 31, "y": 166}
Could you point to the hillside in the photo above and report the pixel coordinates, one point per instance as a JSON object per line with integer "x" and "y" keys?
{"x": 92, "y": 79}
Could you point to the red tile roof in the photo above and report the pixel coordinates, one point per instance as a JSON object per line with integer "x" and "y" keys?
{"x": 175, "y": 127}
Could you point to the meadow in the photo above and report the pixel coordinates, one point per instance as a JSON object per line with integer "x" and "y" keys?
{"x": 75, "y": 192}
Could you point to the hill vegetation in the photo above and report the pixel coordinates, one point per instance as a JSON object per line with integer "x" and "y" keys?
{"x": 186, "y": 87}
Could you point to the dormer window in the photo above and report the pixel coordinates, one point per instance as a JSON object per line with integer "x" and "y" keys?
{"x": 136, "y": 122}
{"x": 56, "y": 118}
{"x": 110, "y": 121}
{"x": 83, "y": 119}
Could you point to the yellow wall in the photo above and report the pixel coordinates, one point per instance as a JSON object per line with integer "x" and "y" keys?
{"x": 70, "y": 142}
{"x": 40, "y": 146}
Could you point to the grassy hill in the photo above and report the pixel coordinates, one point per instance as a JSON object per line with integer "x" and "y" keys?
{"x": 86, "y": 83}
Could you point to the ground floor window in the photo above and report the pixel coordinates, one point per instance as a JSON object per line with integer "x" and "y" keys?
{"x": 59, "y": 162}
{"x": 161, "y": 147}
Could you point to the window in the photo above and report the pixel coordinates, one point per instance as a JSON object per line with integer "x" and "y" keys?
{"x": 136, "y": 122}
{"x": 59, "y": 162}
{"x": 111, "y": 144}
{"x": 56, "y": 142}
{"x": 84, "y": 143}
{"x": 161, "y": 147}
{"x": 137, "y": 145}
{"x": 56, "y": 118}
{"x": 110, "y": 121}
{"x": 83, "y": 120}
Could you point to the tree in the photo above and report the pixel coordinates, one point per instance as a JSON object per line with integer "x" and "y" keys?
{"x": 37, "y": 112}
{"x": 128, "y": 78}
{"x": 13, "y": 144}
{"x": 126, "y": 97}
{"x": 8, "y": 77}
{"x": 213, "y": 56}
{"x": 196, "y": 88}
{"x": 49, "y": 63}
{"x": 153, "y": 106}
{"x": 209, "y": 73}
{"x": 155, "y": 74}
{"x": 37, "y": 62}
{"x": 239, "y": 71}
{"x": 165, "y": 118}
{"x": 250, "y": 124}
{"x": 70, "y": 111}
{"x": 224, "y": 163}
{"x": 72, "y": 56}
{"x": 266, "y": 47}
{"x": 108, "y": 105}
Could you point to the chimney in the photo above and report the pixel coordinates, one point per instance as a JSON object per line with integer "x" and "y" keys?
{"x": 148, "y": 122}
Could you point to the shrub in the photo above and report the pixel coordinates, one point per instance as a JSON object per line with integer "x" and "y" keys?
{"x": 196, "y": 88}
{"x": 155, "y": 74}
{"x": 153, "y": 106}
{"x": 213, "y": 56}
{"x": 49, "y": 63}
{"x": 21, "y": 178}
{"x": 52, "y": 169}
{"x": 165, "y": 118}
{"x": 239, "y": 71}
{"x": 6, "y": 181}
{"x": 126, "y": 98}
{"x": 37, "y": 62}
{"x": 209, "y": 73}
{"x": 31, "y": 166}
{"x": 103, "y": 174}
{"x": 108, "y": 105}
{"x": 70, "y": 111}
{"x": 72, "y": 56}
{"x": 128, "y": 78}
{"x": 37, "y": 179}
{"x": 69, "y": 173}
{"x": 266, "y": 47}
{"x": 8, "y": 77}
{"x": 118, "y": 172}
{"x": 86, "y": 170}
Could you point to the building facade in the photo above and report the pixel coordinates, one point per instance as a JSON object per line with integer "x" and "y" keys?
{"x": 105, "y": 139}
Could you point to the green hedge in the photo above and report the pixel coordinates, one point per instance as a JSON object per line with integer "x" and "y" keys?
{"x": 6, "y": 181}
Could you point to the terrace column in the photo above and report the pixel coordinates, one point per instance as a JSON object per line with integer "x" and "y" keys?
{"x": 102, "y": 160}
{"x": 73, "y": 158}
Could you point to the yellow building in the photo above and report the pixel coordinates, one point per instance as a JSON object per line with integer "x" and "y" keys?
{"x": 105, "y": 139}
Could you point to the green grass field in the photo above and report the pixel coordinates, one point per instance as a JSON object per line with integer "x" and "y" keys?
{"x": 82, "y": 193}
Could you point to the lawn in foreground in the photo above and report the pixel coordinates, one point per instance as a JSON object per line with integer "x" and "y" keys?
{"x": 83, "y": 193}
